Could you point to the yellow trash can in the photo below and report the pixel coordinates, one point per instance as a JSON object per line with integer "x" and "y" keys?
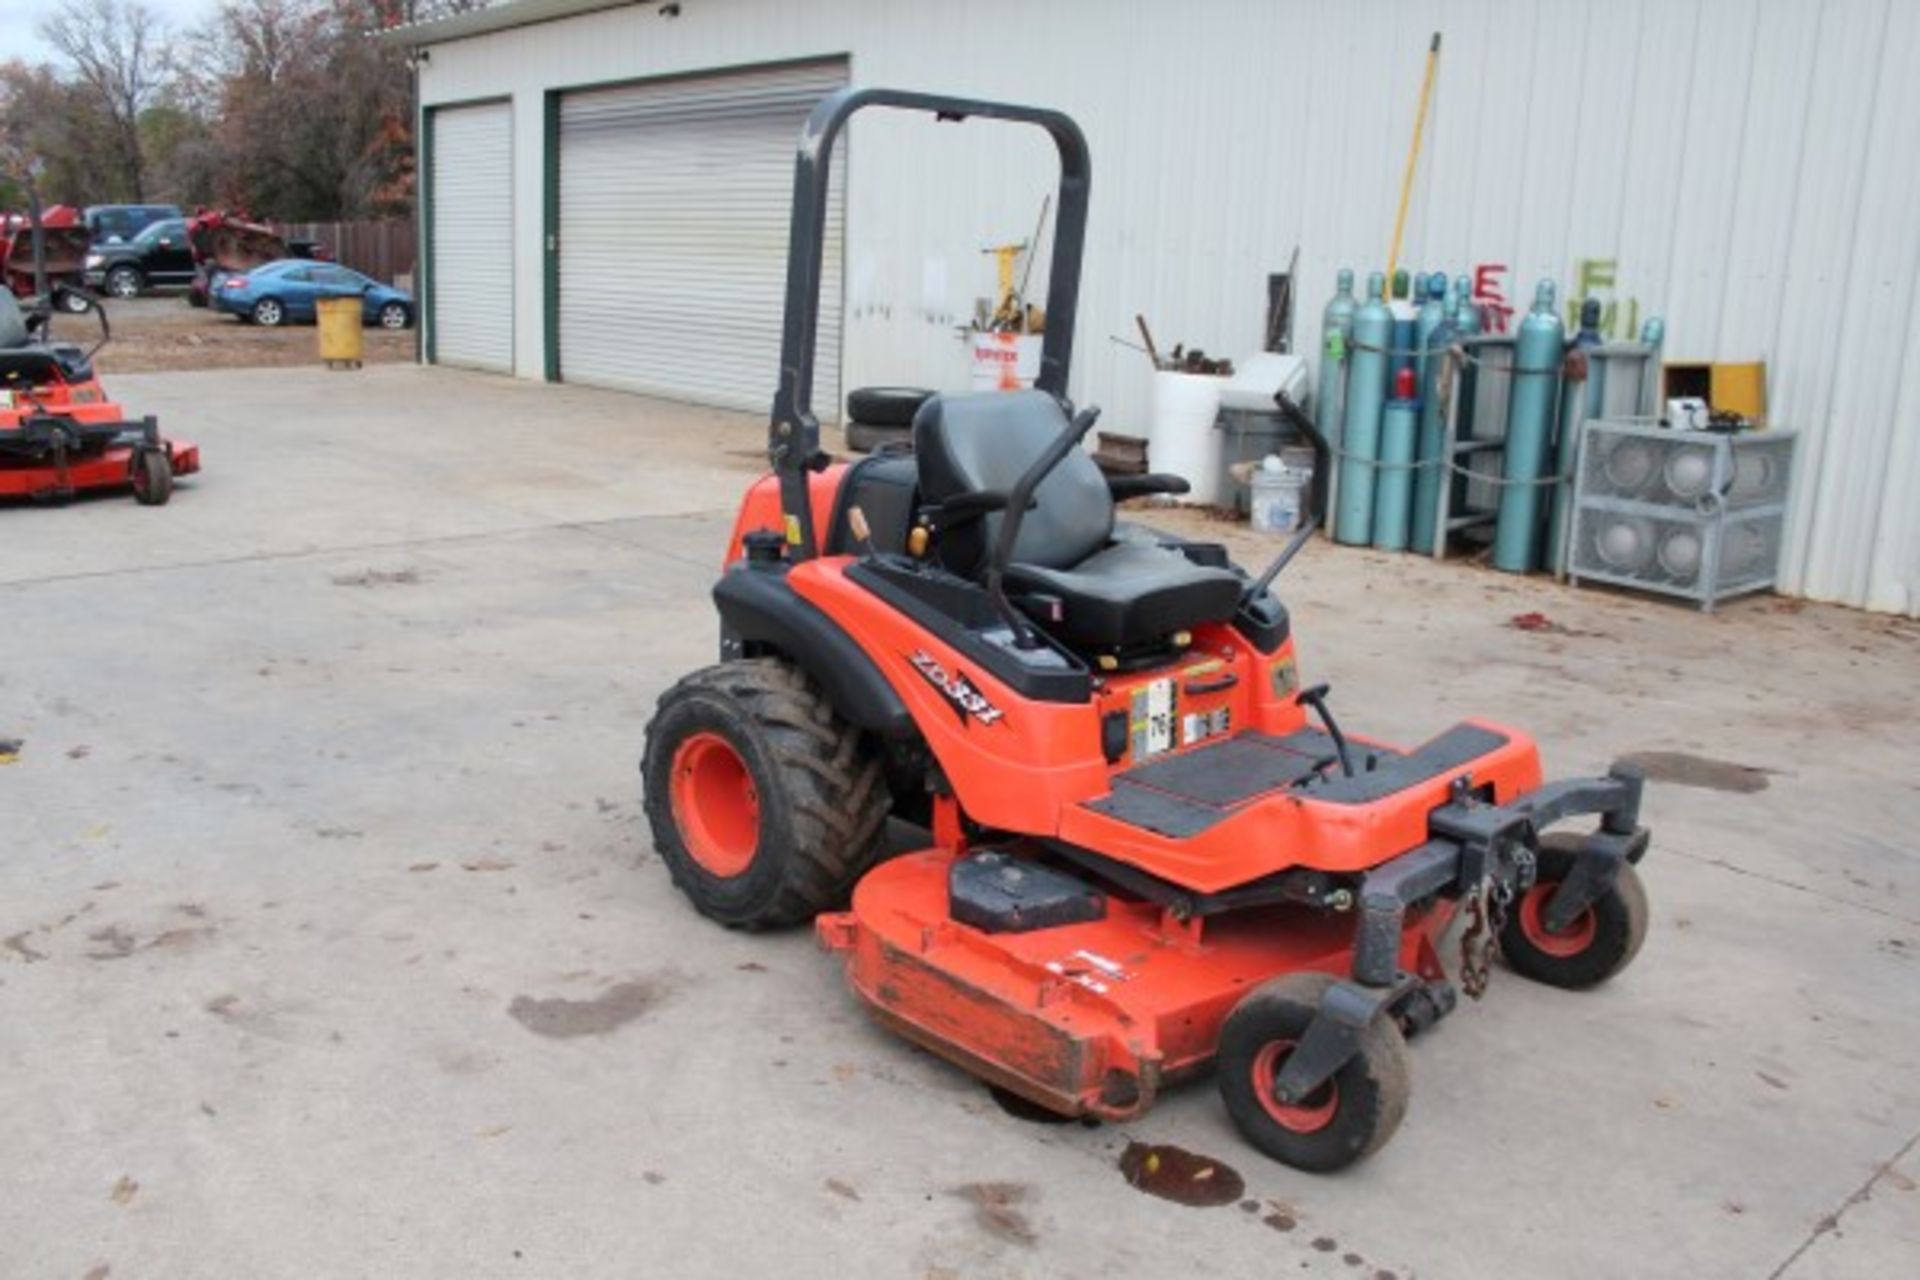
{"x": 341, "y": 340}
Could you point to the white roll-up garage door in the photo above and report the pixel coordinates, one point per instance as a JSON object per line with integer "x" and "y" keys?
{"x": 471, "y": 270}
{"x": 674, "y": 200}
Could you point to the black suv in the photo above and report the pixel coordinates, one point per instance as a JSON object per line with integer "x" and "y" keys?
{"x": 160, "y": 255}
{"x": 107, "y": 223}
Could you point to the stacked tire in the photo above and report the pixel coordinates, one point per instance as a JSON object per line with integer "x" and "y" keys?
{"x": 880, "y": 416}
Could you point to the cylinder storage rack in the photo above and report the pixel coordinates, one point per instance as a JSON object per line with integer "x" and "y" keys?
{"x": 1695, "y": 514}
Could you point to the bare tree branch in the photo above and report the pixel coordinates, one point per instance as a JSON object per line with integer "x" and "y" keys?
{"x": 114, "y": 50}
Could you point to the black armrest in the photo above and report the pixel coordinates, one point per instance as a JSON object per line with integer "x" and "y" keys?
{"x": 1124, "y": 487}
{"x": 962, "y": 507}
{"x": 979, "y": 502}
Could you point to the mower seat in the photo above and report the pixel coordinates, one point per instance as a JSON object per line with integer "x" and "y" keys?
{"x": 13, "y": 323}
{"x": 1111, "y": 594}
{"x": 22, "y": 360}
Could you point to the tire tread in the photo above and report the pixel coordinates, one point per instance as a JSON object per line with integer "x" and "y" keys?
{"x": 836, "y": 796}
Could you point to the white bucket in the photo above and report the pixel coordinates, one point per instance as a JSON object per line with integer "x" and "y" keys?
{"x": 1181, "y": 440}
{"x": 1277, "y": 498}
{"x": 1005, "y": 361}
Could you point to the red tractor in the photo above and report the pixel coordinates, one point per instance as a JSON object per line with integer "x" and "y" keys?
{"x": 1151, "y": 847}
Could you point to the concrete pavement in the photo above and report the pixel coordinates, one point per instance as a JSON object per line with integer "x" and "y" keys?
{"x": 332, "y": 942}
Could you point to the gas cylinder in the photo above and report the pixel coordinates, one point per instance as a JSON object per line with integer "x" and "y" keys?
{"x": 1336, "y": 332}
{"x": 1433, "y": 288}
{"x": 1360, "y": 433}
{"x": 1574, "y": 399}
{"x": 1430, "y": 446}
{"x": 1530, "y": 413}
{"x": 1654, "y": 334}
{"x": 1466, "y": 323}
{"x": 1467, "y": 316}
{"x": 1399, "y": 425}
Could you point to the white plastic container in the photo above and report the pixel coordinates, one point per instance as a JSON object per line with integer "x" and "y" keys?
{"x": 1257, "y": 377}
{"x": 1181, "y": 440}
{"x": 1279, "y": 491}
{"x": 1004, "y": 361}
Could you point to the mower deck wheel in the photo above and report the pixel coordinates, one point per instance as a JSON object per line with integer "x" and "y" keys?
{"x": 1602, "y": 941}
{"x": 764, "y": 804}
{"x": 1348, "y": 1118}
{"x": 152, "y": 478}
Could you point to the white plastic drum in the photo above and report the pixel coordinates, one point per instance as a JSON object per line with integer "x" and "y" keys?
{"x": 1181, "y": 440}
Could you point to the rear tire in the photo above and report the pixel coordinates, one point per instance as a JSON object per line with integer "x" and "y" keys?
{"x": 152, "y": 478}
{"x": 756, "y": 735}
{"x": 1345, "y": 1120}
{"x": 1601, "y": 942}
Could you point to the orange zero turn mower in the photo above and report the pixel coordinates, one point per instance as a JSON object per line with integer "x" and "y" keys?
{"x": 60, "y": 434}
{"x": 1151, "y": 850}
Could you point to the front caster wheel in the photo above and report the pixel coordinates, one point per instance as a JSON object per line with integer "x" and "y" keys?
{"x": 1599, "y": 943}
{"x": 1346, "y": 1119}
{"x": 152, "y": 478}
{"x": 765, "y": 805}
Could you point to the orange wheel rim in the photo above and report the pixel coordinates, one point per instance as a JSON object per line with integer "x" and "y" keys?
{"x": 715, "y": 805}
{"x": 1310, "y": 1115}
{"x": 1565, "y": 944}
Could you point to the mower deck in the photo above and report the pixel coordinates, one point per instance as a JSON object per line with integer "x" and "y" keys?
{"x": 1086, "y": 1018}
{"x": 109, "y": 469}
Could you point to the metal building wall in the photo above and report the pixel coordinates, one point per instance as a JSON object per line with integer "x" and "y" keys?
{"x": 1747, "y": 168}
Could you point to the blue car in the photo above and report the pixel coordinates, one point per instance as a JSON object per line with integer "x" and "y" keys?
{"x": 285, "y": 292}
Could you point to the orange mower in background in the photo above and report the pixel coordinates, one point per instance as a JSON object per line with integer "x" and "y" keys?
{"x": 1151, "y": 848}
{"x": 60, "y": 434}
{"x": 62, "y": 252}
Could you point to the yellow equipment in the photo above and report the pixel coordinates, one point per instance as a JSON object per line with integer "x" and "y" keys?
{"x": 342, "y": 343}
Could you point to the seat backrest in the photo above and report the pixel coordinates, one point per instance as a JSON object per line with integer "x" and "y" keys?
{"x": 986, "y": 441}
{"x": 13, "y": 324}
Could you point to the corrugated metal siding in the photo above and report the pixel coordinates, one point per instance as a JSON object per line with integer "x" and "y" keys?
{"x": 473, "y": 317}
{"x": 674, "y": 201}
{"x": 1746, "y": 166}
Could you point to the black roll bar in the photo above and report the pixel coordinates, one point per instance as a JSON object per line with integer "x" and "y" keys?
{"x": 793, "y": 441}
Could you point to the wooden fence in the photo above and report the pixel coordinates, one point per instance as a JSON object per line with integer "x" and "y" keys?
{"x": 384, "y": 250}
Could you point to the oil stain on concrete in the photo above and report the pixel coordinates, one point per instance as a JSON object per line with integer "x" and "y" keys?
{"x": 1689, "y": 770}
{"x": 1175, "y": 1174}
{"x": 562, "y": 1019}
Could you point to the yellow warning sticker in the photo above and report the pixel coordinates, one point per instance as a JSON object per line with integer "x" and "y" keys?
{"x": 793, "y": 531}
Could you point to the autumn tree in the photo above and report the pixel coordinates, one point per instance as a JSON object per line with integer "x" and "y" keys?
{"x": 115, "y": 49}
